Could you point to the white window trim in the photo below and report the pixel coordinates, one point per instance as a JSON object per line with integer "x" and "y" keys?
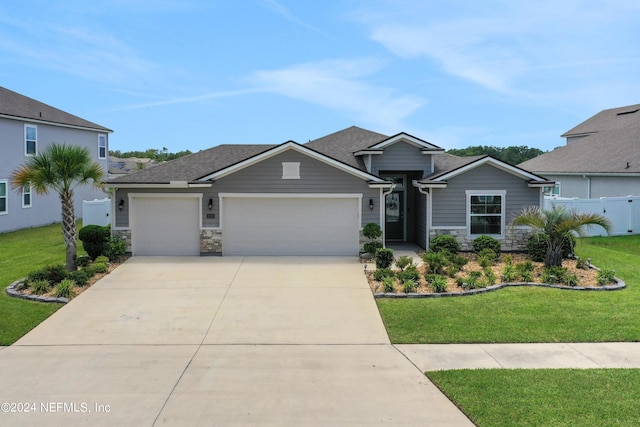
{"x": 25, "y": 140}
{"x": 503, "y": 194}
{"x": 30, "y": 192}
{"x": 6, "y": 197}
{"x": 290, "y": 170}
{"x": 101, "y": 135}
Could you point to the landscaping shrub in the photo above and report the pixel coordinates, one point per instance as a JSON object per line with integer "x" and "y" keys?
{"x": 403, "y": 262}
{"x": 408, "y": 286}
{"x": 37, "y": 275}
{"x": 372, "y": 231}
{"x": 94, "y": 239}
{"x": 538, "y": 244}
{"x": 388, "y": 284}
{"x": 582, "y": 263}
{"x": 382, "y": 273}
{"x": 525, "y": 271}
{"x": 486, "y": 242}
{"x": 571, "y": 279}
{"x": 101, "y": 260}
{"x": 439, "y": 284}
{"x": 80, "y": 277}
{"x": 64, "y": 289}
{"x": 116, "y": 249}
{"x": 436, "y": 261}
{"x": 39, "y": 287}
{"x": 606, "y": 277}
{"x": 489, "y": 277}
{"x": 509, "y": 273}
{"x": 473, "y": 280}
{"x": 53, "y": 274}
{"x": 487, "y": 257}
{"x": 410, "y": 273}
{"x": 552, "y": 275}
{"x": 384, "y": 258}
{"x": 83, "y": 261}
{"x": 444, "y": 242}
{"x": 89, "y": 271}
{"x": 99, "y": 267}
{"x": 372, "y": 247}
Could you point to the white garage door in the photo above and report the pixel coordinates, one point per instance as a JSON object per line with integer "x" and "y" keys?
{"x": 166, "y": 226}
{"x": 290, "y": 226}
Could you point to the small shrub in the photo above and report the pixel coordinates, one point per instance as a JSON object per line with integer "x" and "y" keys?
{"x": 36, "y": 276}
{"x": 458, "y": 261}
{"x": 553, "y": 275}
{"x": 486, "y": 242}
{"x": 80, "y": 277}
{"x": 99, "y": 267}
{"x": 408, "y": 286}
{"x": 372, "y": 231}
{"x": 388, "y": 284}
{"x": 64, "y": 289}
{"x": 89, "y": 271}
{"x": 538, "y": 244}
{"x": 116, "y": 249}
{"x": 381, "y": 273}
{"x": 403, "y": 262}
{"x": 582, "y": 263}
{"x": 509, "y": 273}
{"x": 436, "y": 261}
{"x": 489, "y": 277}
{"x": 410, "y": 273}
{"x": 55, "y": 273}
{"x": 444, "y": 242}
{"x": 571, "y": 279}
{"x": 488, "y": 253}
{"x": 384, "y": 258}
{"x": 83, "y": 261}
{"x": 39, "y": 287}
{"x": 372, "y": 247}
{"x": 439, "y": 284}
{"x": 507, "y": 259}
{"x": 485, "y": 261}
{"x": 94, "y": 239}
{"x": 606, "y": 277}
{"x": 101, "y": 260}
{"x": 473, "y": 281}
{"x": 525, "y": 271}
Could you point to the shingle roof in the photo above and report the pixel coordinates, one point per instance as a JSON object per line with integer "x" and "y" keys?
{"x": 19, "y": 106}
{"x": 190, "y": 168}
{"x": 608, "y": 142}
{"x": 342, "y": 144}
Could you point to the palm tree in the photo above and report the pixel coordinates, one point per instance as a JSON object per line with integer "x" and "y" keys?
{"x": 558, "y": 224}
{"x": 60, "y": 168}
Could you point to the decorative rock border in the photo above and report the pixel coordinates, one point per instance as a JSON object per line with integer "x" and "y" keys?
{"x": 12, "y": 292}
{"x": 619, "y": 285}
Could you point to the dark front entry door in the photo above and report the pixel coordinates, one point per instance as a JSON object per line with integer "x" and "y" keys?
{"x": 394, "y": 216}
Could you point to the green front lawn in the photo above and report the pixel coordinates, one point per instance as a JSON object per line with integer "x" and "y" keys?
{"x": 20, "y": 253}
{"x": 545, "y": 397}
{"x": 530, "y": 314}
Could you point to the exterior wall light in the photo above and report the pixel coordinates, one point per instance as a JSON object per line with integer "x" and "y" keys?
{"x": 371, "y": 204}
{"x": 210, "y": 205}
{"x": 121, "y": 204}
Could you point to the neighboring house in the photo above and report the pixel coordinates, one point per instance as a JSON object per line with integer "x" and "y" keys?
{"x": 123, "y": 166}
{"x": 27, "y": 127}
{"x": 600, "y": 159}
{"x": 314, "y": 199}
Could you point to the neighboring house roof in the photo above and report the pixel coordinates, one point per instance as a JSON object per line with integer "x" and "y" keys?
{"x": 607, "y": 143}
{"x": 16, "y": 106}
{"x": 126, "y": 165}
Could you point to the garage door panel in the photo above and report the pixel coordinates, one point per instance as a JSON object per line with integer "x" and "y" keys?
{"x": 290, "y": 226}
{"x": 166, "y": 226}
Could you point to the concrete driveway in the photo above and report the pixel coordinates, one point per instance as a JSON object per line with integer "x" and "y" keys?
{"x": 219, "y": 341}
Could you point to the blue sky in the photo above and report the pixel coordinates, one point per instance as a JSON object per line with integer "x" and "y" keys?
{"x": 191, "y": 74}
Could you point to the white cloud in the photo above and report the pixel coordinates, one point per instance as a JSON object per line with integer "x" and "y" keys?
{"x": 284, "y": 11}
{"x": 340, "y": 85}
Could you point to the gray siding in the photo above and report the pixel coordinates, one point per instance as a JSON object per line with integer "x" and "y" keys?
{"x": 401, "y": 157}
{"x": 45, "y": 208}
{"x": 450, "y": 204}
{"x": 601, "y": 186}
{"x": 266, "y": 177}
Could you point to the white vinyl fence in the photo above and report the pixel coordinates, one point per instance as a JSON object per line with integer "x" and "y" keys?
{"x": 96, "y": 212}
{"x": 623, "y": 212}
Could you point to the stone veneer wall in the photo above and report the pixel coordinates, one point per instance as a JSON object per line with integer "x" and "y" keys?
{"x": 211, "y": 242}
{"x": 515, "y": 239}
{"x": 123, "y": 234}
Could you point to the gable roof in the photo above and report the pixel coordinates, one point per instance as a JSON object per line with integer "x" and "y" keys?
{"x": 20, "y": 107}
{"x": 422, "y": 144}
{"x": 607, "y": 143}
{"x": 342, "y": 144}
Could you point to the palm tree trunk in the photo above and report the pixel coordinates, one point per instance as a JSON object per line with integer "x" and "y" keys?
{"x": 554, "y": 255}
{"x": 69, "y": 229}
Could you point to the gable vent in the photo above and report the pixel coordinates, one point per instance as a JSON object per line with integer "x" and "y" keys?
{"x": 627, "y": 112}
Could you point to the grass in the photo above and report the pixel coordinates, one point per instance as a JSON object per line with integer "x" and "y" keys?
{"x": 514, "y": 315}
{"x": 545, "y": 397}
{"x": 22, "y": 252}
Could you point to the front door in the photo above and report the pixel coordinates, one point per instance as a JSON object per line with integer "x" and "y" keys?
{"x": 395, "y": 211}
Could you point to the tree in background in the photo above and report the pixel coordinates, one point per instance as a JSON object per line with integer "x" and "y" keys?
{"x": 512, "y": 155}
{"x": 151, "y": 153}
{"x": 60, "y": 168}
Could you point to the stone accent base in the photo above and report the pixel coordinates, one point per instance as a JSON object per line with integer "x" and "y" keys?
{"x": 515, "y": 239}
{"x": 210, "y": 242}
{"x": 123, "y": 234}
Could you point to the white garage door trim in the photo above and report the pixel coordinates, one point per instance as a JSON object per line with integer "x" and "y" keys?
{"x": 352, "y": 244}
{"x": 196, "y": 197}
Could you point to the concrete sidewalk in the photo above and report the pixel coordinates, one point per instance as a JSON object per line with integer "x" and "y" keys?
{"x": 434, "y": 357}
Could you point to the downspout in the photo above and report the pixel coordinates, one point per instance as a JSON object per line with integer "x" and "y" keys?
{"x": 383, "y": 204}
{"x": 424, "y": 191}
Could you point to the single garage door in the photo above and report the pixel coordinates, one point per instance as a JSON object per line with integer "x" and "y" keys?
{"x": 166, "y": 226}
{"x": 290, "y": 226}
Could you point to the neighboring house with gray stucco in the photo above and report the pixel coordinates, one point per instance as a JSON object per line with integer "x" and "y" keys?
{"x": 27, "y": 127}
{"x": 601, "y": 157}
{"x": 315, "y": 198}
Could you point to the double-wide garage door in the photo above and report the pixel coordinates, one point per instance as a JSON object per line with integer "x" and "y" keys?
{"x": 290, "y": 225}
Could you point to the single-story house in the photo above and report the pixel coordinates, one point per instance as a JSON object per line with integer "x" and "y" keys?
{"x": 601, "y": 157}
{"x": 315, "y": 198}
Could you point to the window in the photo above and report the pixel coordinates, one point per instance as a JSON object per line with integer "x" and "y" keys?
{"x": 485, "y": 212}
{"x": 26, "y": 196}
{"x": 30, "y": 140}
{"x": 290, "y": 170}
{"x": 552, "y": 191}
{"x": 3, "y": 197}
{"x": 102, "y": 146}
